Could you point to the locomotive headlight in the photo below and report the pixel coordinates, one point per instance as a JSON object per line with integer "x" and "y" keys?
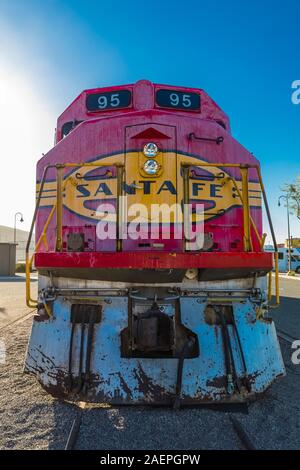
{"x": 151, "y": 167}
{"x": 150, "y": 150}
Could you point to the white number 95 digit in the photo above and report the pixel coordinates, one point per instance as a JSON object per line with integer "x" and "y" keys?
{"x": 174, "y": 98}
{"x": 102, "y": 102}
{"x": 186, "y": 100}
{"x": 114, "y": 101}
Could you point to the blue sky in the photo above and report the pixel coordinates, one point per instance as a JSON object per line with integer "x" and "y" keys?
{"x": 245, "y": 54}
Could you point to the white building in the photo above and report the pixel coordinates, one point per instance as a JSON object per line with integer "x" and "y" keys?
{"x": 7, "y": 235}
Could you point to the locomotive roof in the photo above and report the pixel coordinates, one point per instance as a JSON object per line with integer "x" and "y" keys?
{"x": 140, "y": 96}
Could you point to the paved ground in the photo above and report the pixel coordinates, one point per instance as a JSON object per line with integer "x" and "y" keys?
{"x": 287, "y": 316}
{"x": 12, "y": 297}
{"x": 31, "y": 419}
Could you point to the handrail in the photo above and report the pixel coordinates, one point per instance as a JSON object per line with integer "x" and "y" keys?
{"x": 58, "y": 207}
{"x": 120, "y": 215}
{"x": 246, "y": 213}
{"x": 29, "y": 301}
{"x": 245, "y": 201}
{"x": 59, "y": 197}
{"x": 217, "y": 140}
{"x": 246, "y": 208}
{"x": 277, "y": 299}
{"x": 260, "y": 239}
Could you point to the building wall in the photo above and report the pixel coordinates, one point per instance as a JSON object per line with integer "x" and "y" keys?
{"x": 295, "y": 242}
{"x": 7, "y": 235}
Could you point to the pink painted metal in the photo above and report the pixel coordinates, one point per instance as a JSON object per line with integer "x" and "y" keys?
{"x": 100, "y": 135}
{"x": 162, "y": 260}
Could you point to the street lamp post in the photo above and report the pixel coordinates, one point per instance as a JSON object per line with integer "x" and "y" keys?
{"x": 15, "y": 224}
{"x": 286, "y": 197}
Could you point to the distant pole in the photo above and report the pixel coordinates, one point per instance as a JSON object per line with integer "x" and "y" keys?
{"x": 289, "y": 233}
{"x": 15, "y": 224}
{"x": 286, "y": 197}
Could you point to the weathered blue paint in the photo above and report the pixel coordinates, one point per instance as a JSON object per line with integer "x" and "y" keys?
{"x": 147, "y": 380}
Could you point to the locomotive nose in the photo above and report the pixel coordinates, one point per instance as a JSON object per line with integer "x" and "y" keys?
{"x": 135, "y": 311}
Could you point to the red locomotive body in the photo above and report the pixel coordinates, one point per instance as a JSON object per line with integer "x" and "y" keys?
{"x": 183, "y": 136}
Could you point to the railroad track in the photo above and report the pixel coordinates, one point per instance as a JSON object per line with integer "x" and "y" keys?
{"x": 74, "y": 431}
{"x": 285, "y": 336}
{"x": 239, "y": 429}
{"x": 236, "y": 424}
{"x": 72, "y": 437}
{"x": 19, "y": 319}
{"x": 242, "y": 434}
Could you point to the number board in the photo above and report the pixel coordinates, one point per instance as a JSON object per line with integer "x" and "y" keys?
{"x": 178, "y": 99}
{"x": 108, "y": 100}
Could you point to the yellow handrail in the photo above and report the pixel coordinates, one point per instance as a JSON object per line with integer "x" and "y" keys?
{"x": 29, "y": 301}
{"x": 247, "y": 216}
{"x": 259, "y": 238}
{"x": 246, "y": 209}
{"x": 28, "y": 263}
{"x": 61, "y": 186}
{"x": 277, "y": 296}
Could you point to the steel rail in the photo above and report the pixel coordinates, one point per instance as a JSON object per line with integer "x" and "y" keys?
{"x": 285, "y": 336}
{"x": 72, "y": 437}
{"x": 16, "y": 320}
{"x": 242, "y": 434}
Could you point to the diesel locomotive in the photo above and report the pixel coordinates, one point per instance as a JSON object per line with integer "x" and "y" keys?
{"x": 143, "y": 298}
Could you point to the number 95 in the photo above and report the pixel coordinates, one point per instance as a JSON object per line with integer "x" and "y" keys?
{"x": 185, "y": 101}
{"x": 111, "y": 101}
